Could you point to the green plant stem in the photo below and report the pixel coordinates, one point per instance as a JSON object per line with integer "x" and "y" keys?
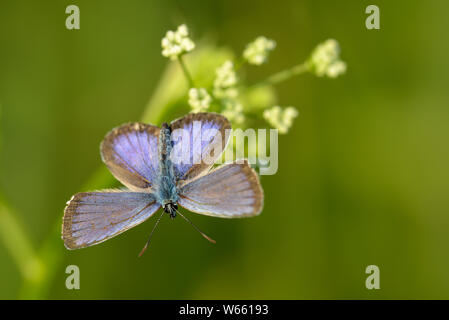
{"x": 17, "y": 242}
{"x": 186, "y": 72}
{"x": 239, "y": 63}
{"x": 283, "y": 75}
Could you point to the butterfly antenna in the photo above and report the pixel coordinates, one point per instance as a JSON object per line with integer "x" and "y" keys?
{"x": 197, "y": 229}
{"x": 151, "y": 234}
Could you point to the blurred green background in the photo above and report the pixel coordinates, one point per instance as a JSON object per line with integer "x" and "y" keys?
{"x": 363, "y": 174}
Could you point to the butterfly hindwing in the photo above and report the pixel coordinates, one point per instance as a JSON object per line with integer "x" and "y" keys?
{"x": 93, "y": 217}
{"x": 230, "y": 191}
{"x": 202, "y": 135}
{"x": 131, "y": 154}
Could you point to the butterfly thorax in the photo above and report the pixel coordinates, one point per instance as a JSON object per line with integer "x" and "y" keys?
{"x": 166, "y": 191}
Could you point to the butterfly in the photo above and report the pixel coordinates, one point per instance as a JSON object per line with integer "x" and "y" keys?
{"x": 142, "y": 157}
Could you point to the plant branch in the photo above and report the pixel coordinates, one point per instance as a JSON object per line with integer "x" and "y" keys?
{"x": 186, "y": 72}
{"x": 283, "y": 75}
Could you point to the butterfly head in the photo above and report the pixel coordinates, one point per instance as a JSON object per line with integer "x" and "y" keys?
{"x": 171, "y": 208}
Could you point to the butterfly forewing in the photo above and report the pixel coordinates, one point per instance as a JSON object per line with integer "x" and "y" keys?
{"x": 93, "y": 217}
{"x": 230, "y": 191}
{"x": 131, "y": 154}
{"x": 206, "y": 134}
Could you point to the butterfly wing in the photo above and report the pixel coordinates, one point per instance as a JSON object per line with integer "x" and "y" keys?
{"x": 131, "y": 154}
{"x": 94, "y": 217}
{"x": 230, "y": 191}
{"x": 199, "y": 144}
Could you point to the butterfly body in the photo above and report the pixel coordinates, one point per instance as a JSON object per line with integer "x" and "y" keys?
{"x": 165, "y": 189}
{"x": 141, "y": 156}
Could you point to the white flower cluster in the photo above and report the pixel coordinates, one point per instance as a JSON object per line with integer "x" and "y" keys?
{"x": 225, "y": 81}
{"x": 233, "y": 110}
{"x": 176, "y": 43}
{"x": 226, "y": 76}
{"x": 280, "y": 119}
{"x": 325, "y": 59}
{"x": 199, "y": 99}
{"x": 257, "y": 51}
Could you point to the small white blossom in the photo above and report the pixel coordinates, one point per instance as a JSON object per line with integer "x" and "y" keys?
{"x": 226, "y": 81}
{"x": 336, "y": 69}
{"x": 257, "y": 51}
{"x": 176, "y": 43}
{"x": 325, "y": 59}
{"x": 199, "y": 99}
{"x": 280, "y": 119}
{"x": 233, "y": 110}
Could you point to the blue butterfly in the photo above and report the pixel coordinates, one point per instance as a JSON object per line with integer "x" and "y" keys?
{"x": 140, "y": 156}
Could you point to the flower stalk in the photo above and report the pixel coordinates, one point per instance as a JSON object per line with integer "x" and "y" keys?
{"x": 283, "y": 75}
{"x": 186, "y": 72}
